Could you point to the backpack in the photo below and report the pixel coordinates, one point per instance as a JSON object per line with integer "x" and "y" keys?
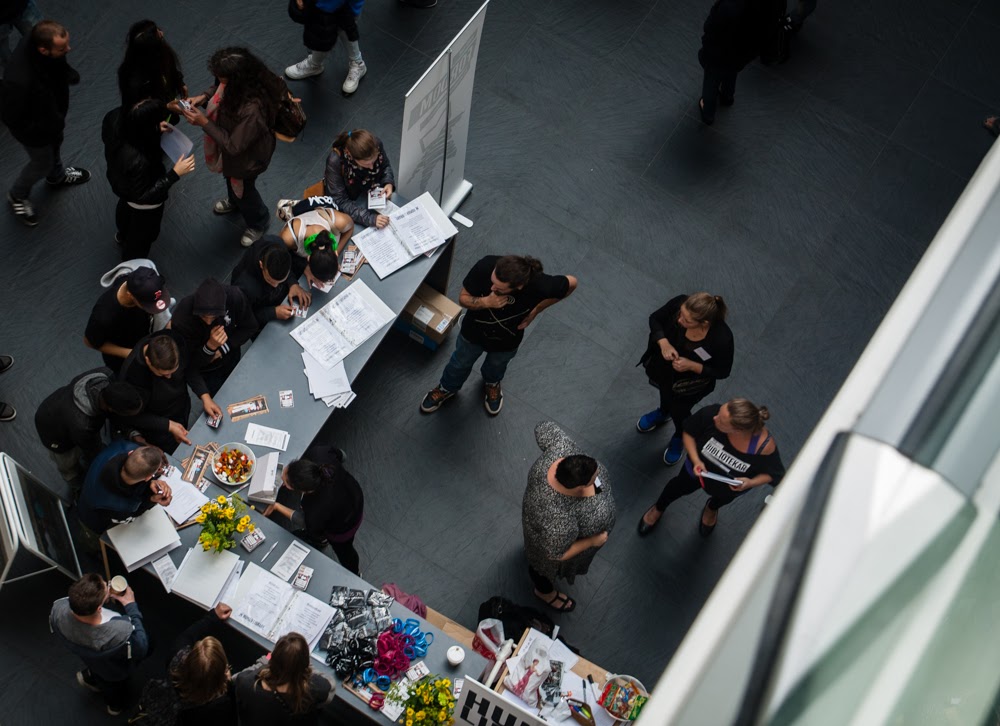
{"x": 516, "y": 618}
{"x": 291, "y": 117}
{"x": 158, "y": 705}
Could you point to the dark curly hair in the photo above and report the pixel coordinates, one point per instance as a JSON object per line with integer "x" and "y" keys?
{"x": 247, "y": 80}
{"x": 151, "y": 68}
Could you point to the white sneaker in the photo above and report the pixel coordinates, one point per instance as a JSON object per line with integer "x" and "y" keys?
{"x": 355, "y": 72}
{"x": 284, "y": 209}
{"x": 251, "y": 236}
{"x": 304, "y": 69}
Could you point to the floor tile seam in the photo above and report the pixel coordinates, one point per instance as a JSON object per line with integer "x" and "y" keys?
{"x": 926, "y": 158}
{"x": 677, "y": 125}
{"x": 638, "y": 27}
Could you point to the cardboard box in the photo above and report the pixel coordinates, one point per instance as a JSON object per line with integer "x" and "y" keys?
{"x": 428, "y": 317}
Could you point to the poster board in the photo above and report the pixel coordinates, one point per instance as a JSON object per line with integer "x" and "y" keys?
{"x": 436, "y": 121}
{"x": 35, "y": 519}
{"x": 479, "y": 706}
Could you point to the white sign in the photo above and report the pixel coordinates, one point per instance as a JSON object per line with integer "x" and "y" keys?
{"x": 479, "y": 706}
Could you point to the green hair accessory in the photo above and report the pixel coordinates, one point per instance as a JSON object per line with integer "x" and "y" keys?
{"x": 310, "y": 241}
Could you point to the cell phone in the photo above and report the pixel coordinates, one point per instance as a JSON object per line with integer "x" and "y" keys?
{"x": 184, "y": 104}
{"x": 214, "y": 422}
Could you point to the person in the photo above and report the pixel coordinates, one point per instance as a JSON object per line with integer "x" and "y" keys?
{"x": 357, "y": 164}
{"x": 566, "y": 516}
{"x": 71, "y": 419}
{"x": 35, "y": 101}
{"x": 265, "y": 275}
{"x": 151, "y": 69}
{"x": 316, "y": 235}
{"x": 108, "y": 647}
{"x": 729, "y": 440}
{"x": 733, "y": 35}
{"x": 323, "y": 20}
{"x": 690, "y": 348}
{"x": 161, "y": 368}
{"x": 240, "y": 110}
{"x": 215, "y": 321}
{"x": 199, "y": 674}
{"x": 282, "y": 690}
{"x": 795, "y": 19}
{"x": 123, "y": 481}
{"x": 131, "y": 136}
{"x": 503, "y": 295}
{"x": 123, "y": 314}
{"x": 20, "y": 14}
{"x": 332, "y": 503}
{"x": 7, "y": 412}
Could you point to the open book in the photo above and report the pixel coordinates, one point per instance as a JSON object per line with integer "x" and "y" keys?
{"x": 413, "y": 229}
{"x": 271, "y": 607}
{"x": 343, "y": 324}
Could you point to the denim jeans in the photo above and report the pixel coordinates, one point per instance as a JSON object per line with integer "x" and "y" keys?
{"x": 465, "y": 356}
{"x": 43, "y": 161}
{"x": 24, "y": 23}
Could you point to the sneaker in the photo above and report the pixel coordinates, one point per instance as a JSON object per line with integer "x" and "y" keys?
{"x": 23, "y": 210}
{"x": 86, "y": 679}
{"x": 71, "y": 177}
{"x": 494, "y": 398}
{"x": 304, "y": 69}
{"x": 223, "y": 206}
{"x": 674, "y": 451}
{"x": 650, "y": 421}
{"x": 284, "y": 209}
{"x": 433, "y": 400}
{"x": 355, "y": 72}
{"x": 113, "y": 711}
{"x": 7, "y": 412}
{"x": 251, "y": 236}
{"x": 6, "y": 361}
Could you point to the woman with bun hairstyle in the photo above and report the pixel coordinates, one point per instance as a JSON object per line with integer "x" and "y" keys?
{"x": 316, "y": 238}
{"x": 690, "y": 348}
{"x": 731, "y": 441}
{"x": 357, "y": 164}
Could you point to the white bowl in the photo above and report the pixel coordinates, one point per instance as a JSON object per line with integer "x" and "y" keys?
{"x": 241, "y": 448}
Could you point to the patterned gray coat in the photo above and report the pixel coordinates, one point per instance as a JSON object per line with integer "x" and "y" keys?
{"x": 552, "y": 521}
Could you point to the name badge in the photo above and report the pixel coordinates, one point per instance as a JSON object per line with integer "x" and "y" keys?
{"x": 702, "y": 353}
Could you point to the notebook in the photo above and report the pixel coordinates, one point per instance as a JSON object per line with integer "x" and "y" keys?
{"x": 144, "y": 539}
{"x": 204, "y": 576}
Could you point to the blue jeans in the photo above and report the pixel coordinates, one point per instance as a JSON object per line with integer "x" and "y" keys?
{"x": 465, "y": 356}
{"x": 24, "y": 23}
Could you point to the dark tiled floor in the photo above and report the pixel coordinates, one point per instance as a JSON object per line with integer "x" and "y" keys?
{"x": 806, "y": 205}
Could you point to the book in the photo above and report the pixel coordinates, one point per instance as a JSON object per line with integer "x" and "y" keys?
{"x": 204, "y": 576}
{"x": 416, "y": 228}
{"x": 271, "y": 607}
{"x": 146, "y": 538}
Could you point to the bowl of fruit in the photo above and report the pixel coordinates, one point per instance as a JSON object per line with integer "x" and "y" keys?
{"x": 233, "y": 464}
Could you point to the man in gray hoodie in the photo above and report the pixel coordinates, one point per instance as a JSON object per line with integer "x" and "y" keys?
{"x": 71, "y": 419}
{"x": 109, "y": 643}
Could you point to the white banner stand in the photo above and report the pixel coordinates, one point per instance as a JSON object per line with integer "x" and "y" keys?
{"x": 436, "y": 122}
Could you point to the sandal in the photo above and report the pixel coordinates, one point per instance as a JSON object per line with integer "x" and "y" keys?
{"x": 560, "y": 602}
{"x": 992, "y": 124}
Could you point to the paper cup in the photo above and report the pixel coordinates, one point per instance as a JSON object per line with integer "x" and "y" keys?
{"x": 455, "y": 655}
{"x": 119, "y": 585}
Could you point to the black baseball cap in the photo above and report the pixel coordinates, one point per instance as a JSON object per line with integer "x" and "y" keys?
{"x": 210, "y": 298}
{"x": 149, "y": 290}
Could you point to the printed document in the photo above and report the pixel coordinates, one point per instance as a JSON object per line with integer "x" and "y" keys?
{"x": 414, "y": 229}
{"x": 271, "y": 607}
{"x": 266, "y": 436}
{"x": 289, "y": 563}
{"x": 186, "y": 500}
{"x": 175, "y": 144}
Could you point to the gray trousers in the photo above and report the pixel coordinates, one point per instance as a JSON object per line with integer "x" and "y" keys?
{"x": 43, "y": 161}
{"x": 68, "y": 463}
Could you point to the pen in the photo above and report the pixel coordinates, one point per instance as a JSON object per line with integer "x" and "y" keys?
{"x": 597, "y": 694}
{"x": 585, "y": 689}
{"x": 269, "y": 552}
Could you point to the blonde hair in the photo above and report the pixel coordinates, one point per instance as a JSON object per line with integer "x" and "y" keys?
{"x": 747, "y": 416}
{"x": 706, "y": 308}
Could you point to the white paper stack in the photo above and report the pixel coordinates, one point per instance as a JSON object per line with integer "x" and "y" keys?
{"x": 144, "y": 539}
{"x": 329, "y": 386}
{"x": 204, "y": 576}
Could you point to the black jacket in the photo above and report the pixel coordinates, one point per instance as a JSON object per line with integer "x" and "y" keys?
{"x": 734, "y": 33}
{"x": 36, "y": 95}
{"x": 247, "y": 276}
{"x": 72, "y": 416}
{"x": 136, "y": 175}
{"x": 239, "y": 322}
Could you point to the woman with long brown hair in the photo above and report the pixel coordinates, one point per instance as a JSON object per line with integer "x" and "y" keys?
{"x": 282, "y": 690}
{"x": 356, "y": 165}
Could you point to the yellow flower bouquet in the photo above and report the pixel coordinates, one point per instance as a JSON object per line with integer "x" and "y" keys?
{"x": 221, "y": 520}
{"x": 429, "y": 702}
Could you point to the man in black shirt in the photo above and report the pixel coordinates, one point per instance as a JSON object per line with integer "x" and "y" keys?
{"x": 503, "y": 295}
{"x": 215, "y": 322}
{"x": 265, "y": 275}
{"x": 123, "y": 314}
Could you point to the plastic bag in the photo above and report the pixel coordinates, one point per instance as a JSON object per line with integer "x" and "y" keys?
{"x": 489, "y": 636}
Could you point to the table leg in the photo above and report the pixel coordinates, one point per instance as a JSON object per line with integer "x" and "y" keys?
{"x": 104, "y": 556}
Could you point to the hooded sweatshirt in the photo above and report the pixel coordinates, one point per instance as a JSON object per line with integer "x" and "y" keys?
{"x": 110, "y": 649}
{"x": 71, "y": 416}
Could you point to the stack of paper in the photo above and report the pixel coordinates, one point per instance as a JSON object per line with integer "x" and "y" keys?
{"x": 343, "y": 324}
{"x": 414, "y": 229}
{"x": 204, "y": 576}
{"x": 329, "y": 386}
{"x": 186, "y": 500}
{"x": 144, "y": 539}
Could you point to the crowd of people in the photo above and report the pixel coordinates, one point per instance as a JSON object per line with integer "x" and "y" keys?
{"x": 157, "y": 350}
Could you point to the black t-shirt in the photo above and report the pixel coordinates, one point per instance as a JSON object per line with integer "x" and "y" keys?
{"x": 496, "y": 329}
{"x": 720, "y": 457}
{"x": 111, "y": 323}
{"x": 337, "y": 506}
